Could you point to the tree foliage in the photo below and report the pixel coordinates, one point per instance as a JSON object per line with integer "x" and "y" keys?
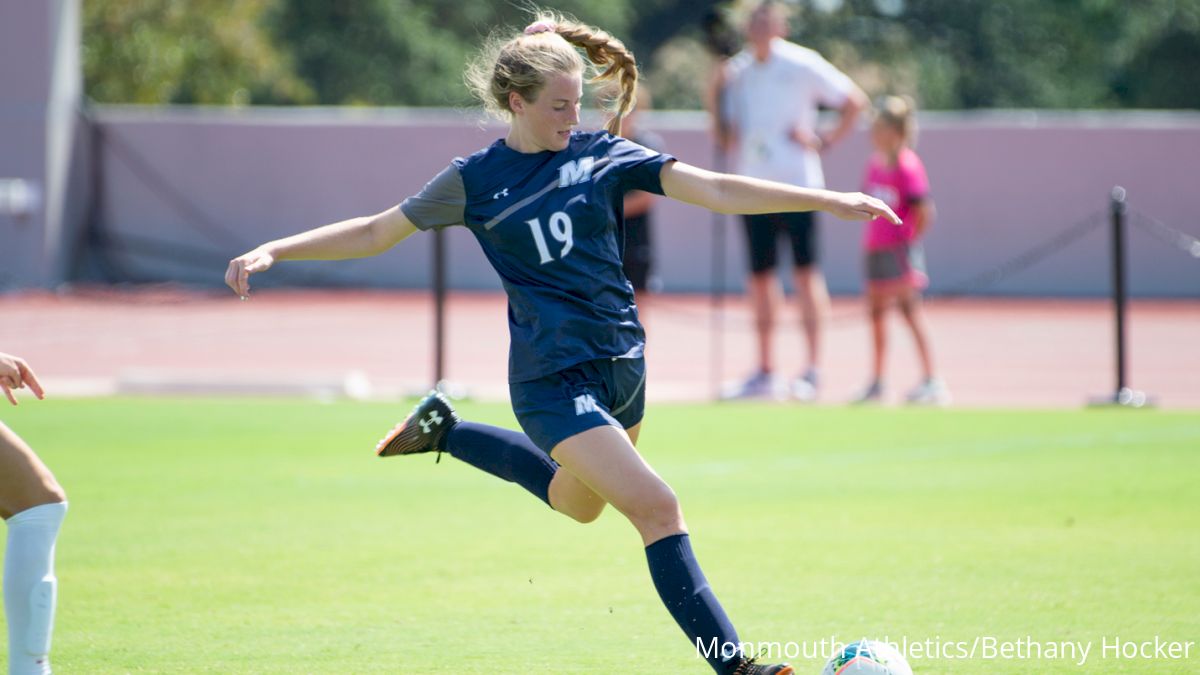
{"x": 200, "y": 51}
{"x": 1015, "y": 53}
{"x": 400, "y": 51}
{"x": 950, "y": 54}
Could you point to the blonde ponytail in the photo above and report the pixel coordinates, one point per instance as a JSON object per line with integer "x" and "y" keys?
{"x": 551, "y": 45}
{"x": 618, "y": 64}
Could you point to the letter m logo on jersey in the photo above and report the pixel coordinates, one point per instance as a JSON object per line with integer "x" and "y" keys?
{"x": 585, "y": 404}
{"x": 576, "y": 171}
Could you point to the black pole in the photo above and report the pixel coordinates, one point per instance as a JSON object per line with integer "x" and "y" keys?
{"x": 722, "y": 42}
{"x": 714, "y": 28}
{"x": 1118, "y": 268}
{"x": 1124, "y": 396}
{"x": 718, "y": 288}
{"x": 439, "y": 307}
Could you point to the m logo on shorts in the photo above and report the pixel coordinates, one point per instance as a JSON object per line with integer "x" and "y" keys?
{"x": 585, "y": 404}
{"x": 576, "y": 171}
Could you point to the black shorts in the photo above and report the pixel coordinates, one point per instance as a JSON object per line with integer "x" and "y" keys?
{"x": 607, "y": 391}
{"x": 763, "y": 230}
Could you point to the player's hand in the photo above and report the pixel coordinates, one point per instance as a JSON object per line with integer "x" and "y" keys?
{"x": 808, "y": 139}
{"x": 858, "y": 206}
{"x": 16, "y": 374}
{"x": 237, "y": 275}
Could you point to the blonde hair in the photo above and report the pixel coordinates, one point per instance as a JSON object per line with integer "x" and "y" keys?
{"x": 550, "y": 46}
{"x": 900, "y": 113}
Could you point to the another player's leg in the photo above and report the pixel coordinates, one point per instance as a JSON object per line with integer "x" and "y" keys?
{"x": 765, "y": 295}
{"x": 765, "y": 298}
{"x": 931, "y": 389}
{"x": 605, "y": 459}
{"x": 812, "y": 296}
{"x": 877, "y": 305}
{"x": 33, "y": 506}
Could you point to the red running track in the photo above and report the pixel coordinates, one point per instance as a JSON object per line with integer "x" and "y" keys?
{"x": 992, "y": 352}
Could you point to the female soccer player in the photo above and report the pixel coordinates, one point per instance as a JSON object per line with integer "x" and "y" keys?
{"x": 895, "y": 263}
{"x": 545, "y": 205}
{"x": 33, "y": 505}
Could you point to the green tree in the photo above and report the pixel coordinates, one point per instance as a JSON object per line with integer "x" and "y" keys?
{"x": 950, "y": 54}
{"x": 407, "y": 52}
{"x": 200, "y": 51}
{"x": 1015, "y": 53}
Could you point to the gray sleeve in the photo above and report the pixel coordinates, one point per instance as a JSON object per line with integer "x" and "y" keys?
{"x": 440, "y": 204}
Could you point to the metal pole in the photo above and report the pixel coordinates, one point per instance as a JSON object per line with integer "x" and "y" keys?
{"x": 1124, "y": 396}
{"x": 439, "y": 307}
{"x": 718, "y": 290}
{"x": 718, "y": 223}
{"x": 1118, "y": 268}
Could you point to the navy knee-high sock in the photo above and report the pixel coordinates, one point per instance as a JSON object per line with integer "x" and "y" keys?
{"x": 505, "y": 453}
{"x": 685, "y": 592}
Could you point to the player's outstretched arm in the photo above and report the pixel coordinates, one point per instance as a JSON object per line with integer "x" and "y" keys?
{"x": 728, "y": 193}
{"x": 354, "y": 238}
{"x": 16, "y": 374}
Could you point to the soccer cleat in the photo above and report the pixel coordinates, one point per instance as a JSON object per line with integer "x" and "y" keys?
{"x": 761, "y": 385}
{"x": 424, "y": 430}
{"x": 749, "y": 667}
{"x": 804, "y": 388}
{"x": 873, "y": 393}
{"x": 930, "y": 392}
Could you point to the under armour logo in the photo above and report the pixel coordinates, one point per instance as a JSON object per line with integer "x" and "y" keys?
{"x": 585, "y": 404}
{"x": 501, "y": 194}
{"x": 427, "y": 423}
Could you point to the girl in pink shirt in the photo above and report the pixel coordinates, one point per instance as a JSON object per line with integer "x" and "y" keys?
{"x": 895, "y": 262}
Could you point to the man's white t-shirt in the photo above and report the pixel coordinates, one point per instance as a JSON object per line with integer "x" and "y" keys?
{"x": 765, "y": 101}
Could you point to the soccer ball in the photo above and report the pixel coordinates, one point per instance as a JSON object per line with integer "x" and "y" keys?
{"x": 867, "y": 657}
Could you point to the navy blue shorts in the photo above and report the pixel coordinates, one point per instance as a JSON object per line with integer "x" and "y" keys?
{"x": 764, "y": 230}
{"x": 587, "y": 395}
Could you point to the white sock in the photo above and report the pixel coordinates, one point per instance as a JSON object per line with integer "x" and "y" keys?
{"x": 30, "y": 587}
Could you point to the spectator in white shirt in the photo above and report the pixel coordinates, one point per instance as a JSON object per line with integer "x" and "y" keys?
{"x": 769, "y": 95}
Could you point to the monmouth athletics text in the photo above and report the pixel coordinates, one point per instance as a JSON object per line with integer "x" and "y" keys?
{"x": 988, "y": 648}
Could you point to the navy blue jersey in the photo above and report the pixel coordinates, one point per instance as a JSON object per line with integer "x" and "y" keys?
{"x": 551, "y": 224}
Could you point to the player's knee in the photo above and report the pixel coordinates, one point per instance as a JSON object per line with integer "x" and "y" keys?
{"x": 54, "y": 493}
{"x": 49, "y": 492}
{"x": 30, "y": 496}
{"x": 658, "y": 511}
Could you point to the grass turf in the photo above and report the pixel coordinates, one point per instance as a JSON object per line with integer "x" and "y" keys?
{"x": 218, "y": 536}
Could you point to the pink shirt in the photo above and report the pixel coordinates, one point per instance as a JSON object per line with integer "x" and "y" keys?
{"x": 899, "y": 187}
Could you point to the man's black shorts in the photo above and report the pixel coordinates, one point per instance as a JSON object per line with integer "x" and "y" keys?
{"x": 763, "y": 232}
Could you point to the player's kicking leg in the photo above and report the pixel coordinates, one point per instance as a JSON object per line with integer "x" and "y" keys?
{"x": 434, "y": 426}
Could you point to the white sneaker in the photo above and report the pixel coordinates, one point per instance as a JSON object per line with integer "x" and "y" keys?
{"x": 804, "y": 388}
{"x": 759, "y": 385}
{"x": 872, "y": 393}
{"x": 930, "y": 392}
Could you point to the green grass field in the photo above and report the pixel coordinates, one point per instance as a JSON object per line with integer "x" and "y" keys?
{"x": 264, "y": 537}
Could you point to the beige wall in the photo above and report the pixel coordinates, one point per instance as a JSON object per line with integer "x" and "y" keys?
{"x": 1003, "y": 182}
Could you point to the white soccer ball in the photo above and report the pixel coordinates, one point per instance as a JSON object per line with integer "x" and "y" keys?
{"x": 867, "y": 657}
